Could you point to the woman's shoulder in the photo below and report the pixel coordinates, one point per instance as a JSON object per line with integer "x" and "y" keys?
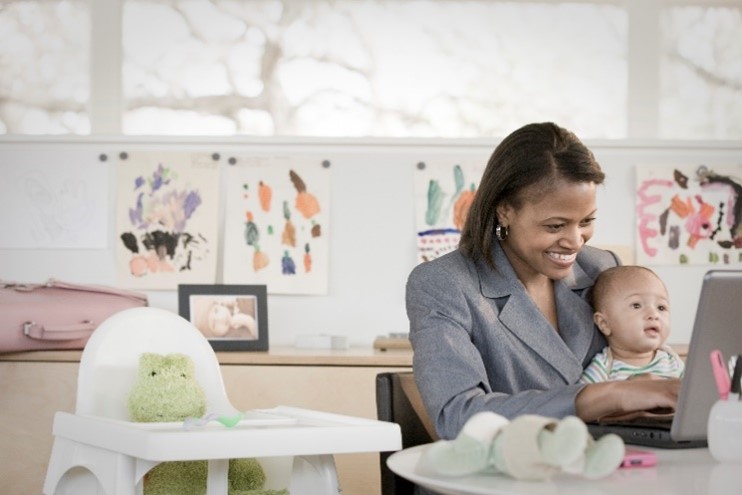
{"x": 594, "y": 260}
{"x": 450, "y": 266}
{"x": 591, "y": 261}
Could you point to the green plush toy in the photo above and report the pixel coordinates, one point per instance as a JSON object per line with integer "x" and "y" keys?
{"x": 166, "y": 390}
{"x": 530, "y": 447}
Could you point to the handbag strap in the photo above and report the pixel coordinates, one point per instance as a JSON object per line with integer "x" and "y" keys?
{"x": 54, "y": 283}
{"x": 75, "y": 331}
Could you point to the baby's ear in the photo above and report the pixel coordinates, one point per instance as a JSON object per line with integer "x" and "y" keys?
{"x": 600, "y": 320}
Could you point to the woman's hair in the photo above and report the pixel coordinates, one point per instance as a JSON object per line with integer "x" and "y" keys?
{"x": 535, "y": 155}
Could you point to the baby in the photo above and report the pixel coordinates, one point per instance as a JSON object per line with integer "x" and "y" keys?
{"x": 633, "y": 312}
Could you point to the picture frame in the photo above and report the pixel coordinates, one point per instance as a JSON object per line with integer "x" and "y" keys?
{"x": 231, "y": 317}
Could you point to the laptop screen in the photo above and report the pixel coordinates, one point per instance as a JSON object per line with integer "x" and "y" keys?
{"x": 718, "y": 325}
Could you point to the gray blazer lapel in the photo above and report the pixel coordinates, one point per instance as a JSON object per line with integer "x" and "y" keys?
{"x": 521, "y": 317}
{"x": 575, "y": 320}
{"x": 526, "y": 322}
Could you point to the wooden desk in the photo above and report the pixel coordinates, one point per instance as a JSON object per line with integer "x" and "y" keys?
{"x": 34, "y": 385}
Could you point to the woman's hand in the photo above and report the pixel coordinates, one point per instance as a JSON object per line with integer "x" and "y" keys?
{"x": 619, "y": 397}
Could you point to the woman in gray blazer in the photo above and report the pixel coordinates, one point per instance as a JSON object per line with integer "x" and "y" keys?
{"x": 503, "y": 324}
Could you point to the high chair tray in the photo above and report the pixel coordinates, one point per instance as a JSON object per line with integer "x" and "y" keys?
{"x": 280, "y": 431}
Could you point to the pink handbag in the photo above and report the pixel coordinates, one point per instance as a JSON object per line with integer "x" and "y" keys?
{"x": 57, "y": 315}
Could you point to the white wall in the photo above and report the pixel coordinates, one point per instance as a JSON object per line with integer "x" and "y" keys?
{"x": 372, "y": 246}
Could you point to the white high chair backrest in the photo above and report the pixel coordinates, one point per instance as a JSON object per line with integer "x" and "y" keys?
{"x": 110, "y": 360}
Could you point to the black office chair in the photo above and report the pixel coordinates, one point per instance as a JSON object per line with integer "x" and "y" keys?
{"x": 398, "y": 401}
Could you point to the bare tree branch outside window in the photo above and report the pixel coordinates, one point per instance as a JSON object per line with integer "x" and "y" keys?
{"x": 44, "y": 67}
{"x": 355, "y": 68}
{"x": 383, "y": 68}
{"x": 701, "y": 74}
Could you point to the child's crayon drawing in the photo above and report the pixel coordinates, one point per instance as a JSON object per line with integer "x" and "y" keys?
{"x": 689, "y": 215}
{"x": 444, "y": 191}
{"x": 167, "y": 218}
{"x": 276, "y": 224}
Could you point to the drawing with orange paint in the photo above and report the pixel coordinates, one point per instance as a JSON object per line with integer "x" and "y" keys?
{"x": 681, "y": 208}
{"x": 288, "y": 236}
{"x": 259, "y": 259}
{"x": 699, "y": 224}
{"x": 307, "y": 259}
{"x": 265, "y": 193}
{"x": 306, "y": 203}
{"x": 462, "y": 205}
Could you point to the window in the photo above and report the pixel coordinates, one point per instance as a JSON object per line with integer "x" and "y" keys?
{"x": 44, "y": 67}
{"x": 383, "y": 68}
{"x": 701, "y": 73}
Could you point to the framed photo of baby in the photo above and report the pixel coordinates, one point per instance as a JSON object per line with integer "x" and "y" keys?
{"x": 231, "y": 317}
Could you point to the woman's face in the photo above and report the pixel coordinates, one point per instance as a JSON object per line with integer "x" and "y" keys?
{"x": 549, "y": 229}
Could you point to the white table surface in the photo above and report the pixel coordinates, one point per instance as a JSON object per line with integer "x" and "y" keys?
{"x": 678, "y": 472}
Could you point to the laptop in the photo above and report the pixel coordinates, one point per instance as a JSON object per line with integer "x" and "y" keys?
{"x": 718, "y": 325}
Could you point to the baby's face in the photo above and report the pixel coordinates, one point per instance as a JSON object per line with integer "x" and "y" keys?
{"x": 638, "y": 314}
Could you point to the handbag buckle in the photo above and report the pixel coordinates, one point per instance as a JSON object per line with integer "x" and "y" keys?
{"x": 27, "y": 326}
{"x": 12, "y": 285}
{"x": 18, "y": 287}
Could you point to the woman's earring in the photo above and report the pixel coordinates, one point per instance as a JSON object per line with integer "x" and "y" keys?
{"x": 501, "y": 232}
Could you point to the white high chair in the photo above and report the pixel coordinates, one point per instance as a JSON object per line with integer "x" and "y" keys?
{"x": 97, "y": 450}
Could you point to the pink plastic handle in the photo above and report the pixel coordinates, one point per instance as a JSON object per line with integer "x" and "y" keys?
{"x": 721, "y": 374}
